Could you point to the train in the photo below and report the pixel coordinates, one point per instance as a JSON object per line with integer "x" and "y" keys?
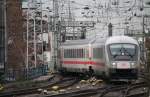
{"x": 116, "y": 57}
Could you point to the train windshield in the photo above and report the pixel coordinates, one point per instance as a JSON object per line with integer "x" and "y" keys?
{"x": 123, "y": 52}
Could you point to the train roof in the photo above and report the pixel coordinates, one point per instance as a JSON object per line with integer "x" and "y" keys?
{"x": 99, "y": 40}
{"x": 121, "y": 39}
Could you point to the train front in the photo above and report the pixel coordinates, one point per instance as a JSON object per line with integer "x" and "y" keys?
{"x": 123, "y": 55}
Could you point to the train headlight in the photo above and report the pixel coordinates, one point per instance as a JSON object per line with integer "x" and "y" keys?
{"x": 114, "y": 64}
{"x": 133, "y": 65}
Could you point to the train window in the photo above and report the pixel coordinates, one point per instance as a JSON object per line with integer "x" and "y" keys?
{"x": 97, "y": 52}
{"x": 67, "y": 53}
{"x": 83, "y": 53}
{"x": 74, "y": 53}
{"x": 122, "y": 48}
{"x": 87, "y": 53}
{"x": 70, "y": 53}
{"x": 79, "y": 53}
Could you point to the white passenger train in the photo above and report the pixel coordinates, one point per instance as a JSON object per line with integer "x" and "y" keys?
{"x": 116, "y": 57}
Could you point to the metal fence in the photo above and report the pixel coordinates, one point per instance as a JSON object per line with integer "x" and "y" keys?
{"x": 26, "y": 74}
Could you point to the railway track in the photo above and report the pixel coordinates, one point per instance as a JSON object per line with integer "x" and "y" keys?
{"x": 65, "y": 82}
{"x": 79, "y": 93}
{"x": 102, "y": 91}
{"x": 128, "y": 92}
{"x": 68, "y": 82}
{"x": 86, "y": 92}
{"x": 141, "y": 94}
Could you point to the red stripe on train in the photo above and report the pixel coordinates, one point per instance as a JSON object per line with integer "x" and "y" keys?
{"x": 83, "y": 62}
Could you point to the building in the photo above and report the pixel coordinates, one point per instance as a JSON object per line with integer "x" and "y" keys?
{"x": 15, "y": 42}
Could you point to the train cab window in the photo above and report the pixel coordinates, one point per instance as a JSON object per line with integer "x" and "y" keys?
{"x": 123, "y": 51}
